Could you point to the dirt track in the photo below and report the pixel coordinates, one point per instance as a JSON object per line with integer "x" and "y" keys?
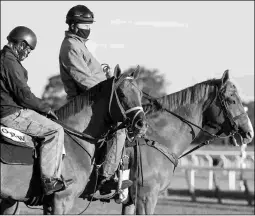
{"x": 171, "y": 206}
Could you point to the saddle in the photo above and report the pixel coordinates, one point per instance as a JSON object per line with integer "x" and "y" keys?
{"x": 17, "y": 148}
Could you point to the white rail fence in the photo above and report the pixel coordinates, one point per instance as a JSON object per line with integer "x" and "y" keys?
{"x": 237, "y": 166}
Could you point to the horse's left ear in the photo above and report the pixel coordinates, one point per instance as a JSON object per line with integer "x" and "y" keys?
{"x": 136, "y": 72}
{"x": 225, "y": 77}
{"x": 117, "y": 71}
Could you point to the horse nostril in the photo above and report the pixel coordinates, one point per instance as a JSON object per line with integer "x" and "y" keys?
{"x": 248, "y": 134}
{"x": 140, "y": 123}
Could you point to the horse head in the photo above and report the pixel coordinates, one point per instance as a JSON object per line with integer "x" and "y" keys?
{"x": 227, "y": 112}
{"x": 126, "y": 98}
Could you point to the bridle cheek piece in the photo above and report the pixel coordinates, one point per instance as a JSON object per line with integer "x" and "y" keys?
{"x": 232, "y": 119}
{"x": 139, "y": 109}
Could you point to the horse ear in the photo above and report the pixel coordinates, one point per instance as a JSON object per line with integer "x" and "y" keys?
{"x": 136, "y": 72}
{"x": 225, "y": 77}
{"x": 117, "y": 71}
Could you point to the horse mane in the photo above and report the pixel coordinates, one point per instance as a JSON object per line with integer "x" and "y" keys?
{"x": 76, "y": 104}
{"x": 184, "y": 97}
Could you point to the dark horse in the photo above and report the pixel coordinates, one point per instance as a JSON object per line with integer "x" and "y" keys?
{"x": 114, "y": 100}
{"x": 214, "y": 104}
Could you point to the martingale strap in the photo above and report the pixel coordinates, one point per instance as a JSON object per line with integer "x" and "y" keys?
{"x": 164, "y": 150}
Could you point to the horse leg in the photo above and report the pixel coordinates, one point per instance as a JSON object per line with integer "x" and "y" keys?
{"x": 62, "y": 204}
{"x": 128, "y": 208}
{"x": 151, "y": 202}
{"x": 9, "y": 207}
{"x": 47, "y": 207}
{"x": 146, "y": 202}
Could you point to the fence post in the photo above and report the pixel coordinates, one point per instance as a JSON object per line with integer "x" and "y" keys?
{"x": 190, "y": 185}
{"x": 232, "y": 180}
{"x": 242, "y": 165}
{"x": 210, "y": 164}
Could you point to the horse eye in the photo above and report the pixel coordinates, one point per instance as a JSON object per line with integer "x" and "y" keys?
{"x": 230, "y": 101}
{"x": 121, "y": 94}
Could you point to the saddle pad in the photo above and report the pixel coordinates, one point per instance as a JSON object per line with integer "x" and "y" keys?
{"x": 14, "y": 154}
{"x": 16, "y": 137}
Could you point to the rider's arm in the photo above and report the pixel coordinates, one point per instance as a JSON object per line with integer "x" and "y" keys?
{"x": 76, "y": 66}
{"x": 17, "y": 81}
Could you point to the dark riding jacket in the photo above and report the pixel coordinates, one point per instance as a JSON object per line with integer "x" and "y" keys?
{"x": 15, "y": 93}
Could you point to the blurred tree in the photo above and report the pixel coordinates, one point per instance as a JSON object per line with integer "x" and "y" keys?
{"x": 151, "y": 82}
{"x": 250, "y": 111}
{"x": 250, "y": 106}
{"x": 54, "y": 92}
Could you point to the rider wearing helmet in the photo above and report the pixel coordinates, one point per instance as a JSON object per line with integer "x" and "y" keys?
{"x": 20, "y": 108}
{"x": 80, "y": 71}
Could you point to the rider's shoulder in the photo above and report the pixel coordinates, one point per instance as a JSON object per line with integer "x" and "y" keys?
{"x": 9, "y": 61}
{"x": 7, "y": 55}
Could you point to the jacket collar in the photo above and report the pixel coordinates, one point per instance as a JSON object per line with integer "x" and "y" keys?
{"x": 7, "y": 49}
{"x": 70, "y": 34}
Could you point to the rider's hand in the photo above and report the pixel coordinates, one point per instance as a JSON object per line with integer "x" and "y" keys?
{"x": 107, "y": 70}
{"x": 51, "y": 114}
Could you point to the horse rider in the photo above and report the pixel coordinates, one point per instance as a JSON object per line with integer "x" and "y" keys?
{"x": 23, "y": 111}
{"x": 80, "y": 71}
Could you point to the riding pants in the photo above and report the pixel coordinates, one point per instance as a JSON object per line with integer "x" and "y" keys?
{"x": 34, "y": 124}
{"x": 114, "y": 154}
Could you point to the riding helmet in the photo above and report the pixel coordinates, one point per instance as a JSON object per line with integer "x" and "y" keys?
{"x": 79, "y": 14}
{"x": 22, "y": 33}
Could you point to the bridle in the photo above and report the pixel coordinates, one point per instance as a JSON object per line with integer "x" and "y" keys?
{"x": 128, "y": 122}
{"x": 227, "y": 114}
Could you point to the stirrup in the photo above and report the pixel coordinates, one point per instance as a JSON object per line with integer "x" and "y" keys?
{"x": 66, "y": 183}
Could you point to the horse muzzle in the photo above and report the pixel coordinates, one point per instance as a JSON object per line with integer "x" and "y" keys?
{"x": 246, "y": 131}
{"x": 138, "y": 126}
{"x": 246, "y": 137}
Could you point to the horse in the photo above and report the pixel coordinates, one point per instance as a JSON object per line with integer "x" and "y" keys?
{"x": 214, "y": 106}
{"x": 93, "y": 114}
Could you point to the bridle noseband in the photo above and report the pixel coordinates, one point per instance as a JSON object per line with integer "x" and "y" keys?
{"x": 128, "y": 122}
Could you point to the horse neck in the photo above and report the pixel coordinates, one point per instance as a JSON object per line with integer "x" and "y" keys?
{"x": 173, "y": 132}
{"x": 88, "y": 113}
{"x": 99, "y": 119}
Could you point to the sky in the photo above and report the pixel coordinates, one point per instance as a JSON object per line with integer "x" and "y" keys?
{"x": 186, "y": 41}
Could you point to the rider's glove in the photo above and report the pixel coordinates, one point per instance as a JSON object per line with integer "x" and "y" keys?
{"x": 107, "y": 70}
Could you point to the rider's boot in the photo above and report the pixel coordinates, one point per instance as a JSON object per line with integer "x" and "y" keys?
{"x": 105, "y": 185}
{"x": 53, "y": 185}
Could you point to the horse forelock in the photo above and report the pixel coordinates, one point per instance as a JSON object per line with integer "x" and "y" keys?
{"x": 81, "y": 101}
{"x": 194, "y": 94}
